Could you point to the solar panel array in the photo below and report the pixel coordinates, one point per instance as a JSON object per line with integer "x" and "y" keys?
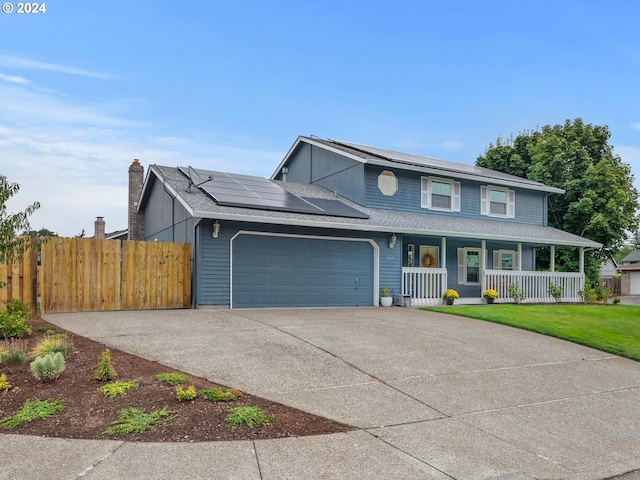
{"x": 247, "y": 191}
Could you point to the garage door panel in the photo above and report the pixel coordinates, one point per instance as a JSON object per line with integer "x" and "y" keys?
{"x": 291, "y": 271}
{"x": 634, "y": 279}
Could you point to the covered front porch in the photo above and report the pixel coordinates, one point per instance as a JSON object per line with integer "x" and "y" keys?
{"x": 466, "y": 270}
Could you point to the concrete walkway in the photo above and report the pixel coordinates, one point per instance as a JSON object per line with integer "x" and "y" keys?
{"x": 433, "y": 397}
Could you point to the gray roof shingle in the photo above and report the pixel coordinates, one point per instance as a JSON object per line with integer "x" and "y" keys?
{"x": 199, "y": 204}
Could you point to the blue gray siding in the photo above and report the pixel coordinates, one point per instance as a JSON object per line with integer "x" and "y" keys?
{"x": 310, "y": 164}
{"x": 530, "y": 205}
{"x": 165, "y": 219}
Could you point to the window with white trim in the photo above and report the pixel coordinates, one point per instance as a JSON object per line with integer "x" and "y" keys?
{"x": 505, "y": 260}
{"x": 469, "y": 265}
{"x": 440, "y": 194}
{"x": 497, "y": 202}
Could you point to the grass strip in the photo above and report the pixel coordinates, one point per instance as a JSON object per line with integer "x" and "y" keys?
{"x": 609, "y": 328}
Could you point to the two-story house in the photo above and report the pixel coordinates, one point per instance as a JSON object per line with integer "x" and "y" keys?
{"x": 337, "y": 221}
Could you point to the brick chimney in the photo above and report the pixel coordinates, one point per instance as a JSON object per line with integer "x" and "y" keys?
{"x": 98, "y": 227}
{"x": 136, "y": 180}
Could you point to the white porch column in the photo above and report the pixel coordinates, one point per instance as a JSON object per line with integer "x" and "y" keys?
{"x": 443, "y": 262}
{"x": 483, "y": 256}
{"x": 552, "y": 259}
{"x": 519, "y": 257}
{"x": 581, "y": 252}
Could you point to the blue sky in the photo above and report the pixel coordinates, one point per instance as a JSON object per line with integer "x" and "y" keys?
{"x": 88, "y": 86}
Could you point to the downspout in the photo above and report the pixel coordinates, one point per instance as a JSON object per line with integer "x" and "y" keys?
{"x": 194, "y": 263}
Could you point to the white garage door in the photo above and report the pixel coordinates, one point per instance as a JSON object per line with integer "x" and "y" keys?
{"x": 635, "y": 283}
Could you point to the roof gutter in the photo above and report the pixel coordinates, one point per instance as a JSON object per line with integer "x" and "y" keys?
{"x": 387, "y": 229}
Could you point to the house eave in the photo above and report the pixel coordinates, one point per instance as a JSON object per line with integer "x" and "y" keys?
{"x": 386, "y": 229}
{"x": 373, "y": 160}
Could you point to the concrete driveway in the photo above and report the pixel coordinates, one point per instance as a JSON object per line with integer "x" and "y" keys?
{"x": 432, "y": 395}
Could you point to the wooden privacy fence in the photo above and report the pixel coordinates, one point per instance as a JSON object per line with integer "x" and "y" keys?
{"x": 20, "y": 279}
{"x": 86, "y": 274}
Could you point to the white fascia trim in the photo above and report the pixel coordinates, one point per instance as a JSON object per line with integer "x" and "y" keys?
{"x": 310, "y": 141}
{"x": 376, "y": 255}
{"x": 387, "y": 229}
{"x": 466, "y": 176}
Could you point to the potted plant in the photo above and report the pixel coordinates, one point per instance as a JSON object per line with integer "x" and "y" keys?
{"x": 385, "y": 297}
{"x": 490, "y": 295}
{"x": 450, "y": 295}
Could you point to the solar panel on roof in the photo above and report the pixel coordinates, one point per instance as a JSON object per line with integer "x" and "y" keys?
{"x": 237, "y": 190}
{"x": 336, "y": 208}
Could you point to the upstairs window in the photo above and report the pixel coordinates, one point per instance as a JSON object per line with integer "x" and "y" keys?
{"x": 497, "y": 202}
{"x": 440, "y": 194}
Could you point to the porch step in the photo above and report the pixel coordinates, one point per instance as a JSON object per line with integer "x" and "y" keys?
{"x": 470, "y": 301}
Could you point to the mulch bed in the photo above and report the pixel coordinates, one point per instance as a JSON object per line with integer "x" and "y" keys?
{"x": 88, "y": 413}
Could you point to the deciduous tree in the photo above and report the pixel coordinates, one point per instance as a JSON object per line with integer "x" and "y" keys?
{"x": 600, "y": 201}
{"x": 12, "y": 246}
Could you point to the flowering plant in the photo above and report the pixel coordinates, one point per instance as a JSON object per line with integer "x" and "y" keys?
{"x": 450, "y": 294}
{"x": 490, "y": 293}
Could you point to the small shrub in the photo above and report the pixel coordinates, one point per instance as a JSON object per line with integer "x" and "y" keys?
{"x": 220, "y": 394}
{"x": 606, "y": 293}
{"x": 588, "y": 295}
{"x": 186, "y": 395}
{"x": 52, "y": 344}
{"x": 13, "y": 320}
{"x": 32, "y": 410}
{"x": 616, "y": 301}
{"x": 518, "y": 294}
{"x": 13, "y": 353}
{"x": 172, "y": 378}
{"x": 48, "y": 367}
{"x": 105, "y": 371}
{"x": 4, "y": 383}
{"x": 249, "y": 416}
{"x": 555, "y": 290}
{"x": 48, "y": 329}
{"x": 116, "y": 388}
{"x": 135, "y": 420}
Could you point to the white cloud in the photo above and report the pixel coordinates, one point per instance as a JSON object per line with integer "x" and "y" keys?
{"x": 35, "y": 107}
{"x": 24, "y": 63}
{"x": 636, "y": 126}
{"x": 74, "y": 157}
{"x": 13, "y": 79}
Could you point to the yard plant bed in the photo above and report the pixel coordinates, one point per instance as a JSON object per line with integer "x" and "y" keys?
{"x": 87, "y": 412}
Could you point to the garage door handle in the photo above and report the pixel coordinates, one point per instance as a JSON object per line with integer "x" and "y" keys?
{"x": 357, "y": 282}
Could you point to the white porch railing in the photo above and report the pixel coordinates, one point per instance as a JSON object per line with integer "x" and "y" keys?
{"x": 535, "y": 285}
{"x": 425, "y": 286}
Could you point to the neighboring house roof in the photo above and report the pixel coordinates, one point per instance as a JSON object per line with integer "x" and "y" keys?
{"x": 608, "y": 268}
{"x": 631, "y": 257}
{"x": 199, "y": 204}
{"x": 117, "y": 235}
{"x": 418, "y": 163}
{"x": 631, "y": 266}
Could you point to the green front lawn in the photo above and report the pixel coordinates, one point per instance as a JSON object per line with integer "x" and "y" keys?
{"x": 610, "y": 328}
